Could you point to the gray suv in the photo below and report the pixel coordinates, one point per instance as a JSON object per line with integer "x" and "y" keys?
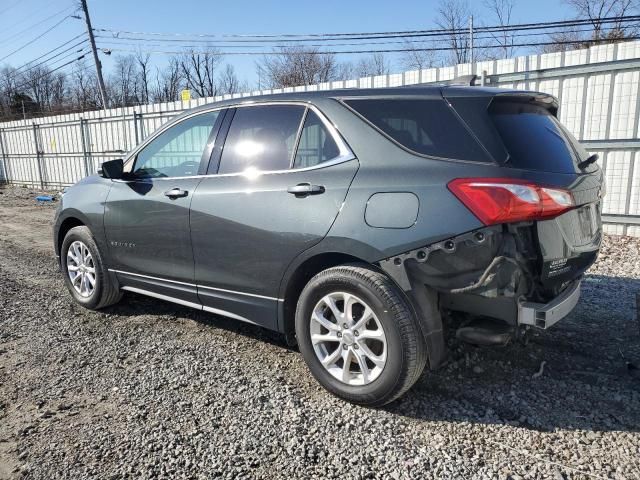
{"x": 358, "y": 223}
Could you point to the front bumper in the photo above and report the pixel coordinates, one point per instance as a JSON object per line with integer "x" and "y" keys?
{"x": 543, "y": 315}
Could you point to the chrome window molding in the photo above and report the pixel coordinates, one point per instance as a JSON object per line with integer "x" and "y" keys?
{"x": 345, "y": 153}
{"x": 328, "y": 163}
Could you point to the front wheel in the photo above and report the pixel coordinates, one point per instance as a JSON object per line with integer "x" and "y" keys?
{"x": 85, "y": 274}
{"x": 359, "y": 336}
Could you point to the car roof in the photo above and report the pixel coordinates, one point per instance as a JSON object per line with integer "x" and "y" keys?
{"x": 433, "y": 90}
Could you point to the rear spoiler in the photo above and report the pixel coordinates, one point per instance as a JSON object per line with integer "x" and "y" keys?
{"x": 543, "y": 100}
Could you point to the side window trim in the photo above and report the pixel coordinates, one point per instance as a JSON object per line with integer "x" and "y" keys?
{"x": 212, "y": 141}
{"x": 296, "y": 144}
{"x": 344, "y": 150}
{"x": 213, "y": 163}
{"x": 130, "y": 161}
{"x": 221, "y": 139}
{"x": 206, "y": 153}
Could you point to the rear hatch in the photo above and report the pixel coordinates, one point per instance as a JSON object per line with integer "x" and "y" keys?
{"x": 521, "y": 132}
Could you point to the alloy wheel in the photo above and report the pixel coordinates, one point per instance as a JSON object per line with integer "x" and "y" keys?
{"x": 348, "y": 338}
{"x": 81, "y": 269}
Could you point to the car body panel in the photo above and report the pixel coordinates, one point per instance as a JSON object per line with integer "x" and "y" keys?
{"x": 246, "y": 230}
{"x": 84, "y": 202}
{"x": 236, "y": 242}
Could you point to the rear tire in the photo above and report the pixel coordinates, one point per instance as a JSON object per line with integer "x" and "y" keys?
{"x": 85, "y": 274}
{"x": 356, "y": 316}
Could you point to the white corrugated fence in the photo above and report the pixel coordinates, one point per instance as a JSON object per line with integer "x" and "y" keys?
{"x": 598, "y": 89}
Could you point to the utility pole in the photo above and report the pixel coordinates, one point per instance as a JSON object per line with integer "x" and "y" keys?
{"x": 92, "y": 40}
{"x": 470, "y": 43}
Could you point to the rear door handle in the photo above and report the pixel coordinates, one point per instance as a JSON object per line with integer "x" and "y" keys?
{"x": 305, "y": 189}
{"x": 176, "y": 193}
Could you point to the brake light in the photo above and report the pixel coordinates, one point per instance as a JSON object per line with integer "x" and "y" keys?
{"x": 506, "y": 200}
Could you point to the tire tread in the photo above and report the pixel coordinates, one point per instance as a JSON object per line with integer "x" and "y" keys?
{"x": 413, "y": 344}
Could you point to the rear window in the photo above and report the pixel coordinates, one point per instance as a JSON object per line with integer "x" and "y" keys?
{"x": 428, "y": 127}
{"x": 535, "y": 139}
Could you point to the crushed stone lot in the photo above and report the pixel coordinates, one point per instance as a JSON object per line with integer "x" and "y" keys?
{"x": 148, "y": 389}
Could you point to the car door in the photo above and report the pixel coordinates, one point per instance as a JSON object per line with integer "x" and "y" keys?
{"x": 278, "y": 185}
{"x": 147, "y": 213}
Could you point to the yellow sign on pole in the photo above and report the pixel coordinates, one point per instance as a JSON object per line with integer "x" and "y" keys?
{"x": 186, "y": 95}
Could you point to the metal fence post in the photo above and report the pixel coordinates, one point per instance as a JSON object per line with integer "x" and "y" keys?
{"x": 141, "y": 128}
{"x": 5, "y": 171}
{"x": 135, "y": 127}
{"x": 38, "y": 154}
{"x": 85, "y": 150}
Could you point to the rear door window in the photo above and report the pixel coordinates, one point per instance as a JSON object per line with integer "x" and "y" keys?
{"x": 535, "y": 139}
{"x": 427, "y": 127}
{"x": 316, "y": 145}
{"x": 261, "y": 138}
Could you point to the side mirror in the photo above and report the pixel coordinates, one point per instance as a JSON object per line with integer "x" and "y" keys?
{"x": 112, "y": 169}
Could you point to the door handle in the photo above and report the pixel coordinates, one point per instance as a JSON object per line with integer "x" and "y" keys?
{"x": 305, "y": 189}
{"x": 176, "y": 193}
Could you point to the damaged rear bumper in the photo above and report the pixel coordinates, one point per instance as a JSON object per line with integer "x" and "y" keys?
{"x": 543, "y": 315}
{"x": 492, "y": 272}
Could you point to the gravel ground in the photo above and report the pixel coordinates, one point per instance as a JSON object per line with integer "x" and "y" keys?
{"x": 148, "y": 389}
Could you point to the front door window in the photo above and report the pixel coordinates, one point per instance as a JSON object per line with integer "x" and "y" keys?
{"x": 178, "y": 151}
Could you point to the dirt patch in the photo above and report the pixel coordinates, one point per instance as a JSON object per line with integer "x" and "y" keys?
{"x": 148, "y": 389}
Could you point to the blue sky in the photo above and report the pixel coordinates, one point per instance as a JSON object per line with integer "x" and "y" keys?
{"x": 234, "y": 17}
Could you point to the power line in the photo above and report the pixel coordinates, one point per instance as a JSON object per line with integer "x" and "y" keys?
{"x": 5, "y": 40}
{"x": 34, "y": 40}
{"x": 49, "y": 72}
{"x": 117, "y": 42}
{"x": 254, "y": 38}
{"x": 9, "y": 7}
{"x": 76, "y": 52}
{"x": 340, "y": 52}
{"x": 54, "y": 49}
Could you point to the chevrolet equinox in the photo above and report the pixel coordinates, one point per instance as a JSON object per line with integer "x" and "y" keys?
{"x": 358, "y": 223}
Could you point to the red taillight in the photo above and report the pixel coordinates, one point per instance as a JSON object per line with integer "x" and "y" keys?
{"x": 505, "y": 200}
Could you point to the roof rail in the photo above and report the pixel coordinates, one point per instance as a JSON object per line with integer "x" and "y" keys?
{"x": 466, "y": 80}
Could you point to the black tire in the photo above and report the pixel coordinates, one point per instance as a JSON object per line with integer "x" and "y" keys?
{"x": 406, "y": 348}
{"x": 106, "y": 291}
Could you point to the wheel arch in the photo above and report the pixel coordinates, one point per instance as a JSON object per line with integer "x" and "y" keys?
{"x": 65, "y": 224}
{"x": 298, "y": 279}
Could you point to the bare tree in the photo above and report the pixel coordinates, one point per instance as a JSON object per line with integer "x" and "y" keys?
{"x": 374, "y": 64}
{"x": 143, "y": 79}
{"x": 345, "y": 71}
{"x": 228, "y": 81}
{"x": 84, "y": 88}
{"x": 564, "y": 40}
{"x": 502, "y": 11}
{"x": 123, "y": 83}
{"x": 416, "y": 57}
{"x": 199, "y": 71}
{"x": 453, "y": 16}
{"x": 59, "y": 92}
{"x": 293, "y": 66}
{"x": 37, "y": 85}
{"x": 8, "y": 83}
{"x": 169, "y": 82}
{"x": 597, "y": 10}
